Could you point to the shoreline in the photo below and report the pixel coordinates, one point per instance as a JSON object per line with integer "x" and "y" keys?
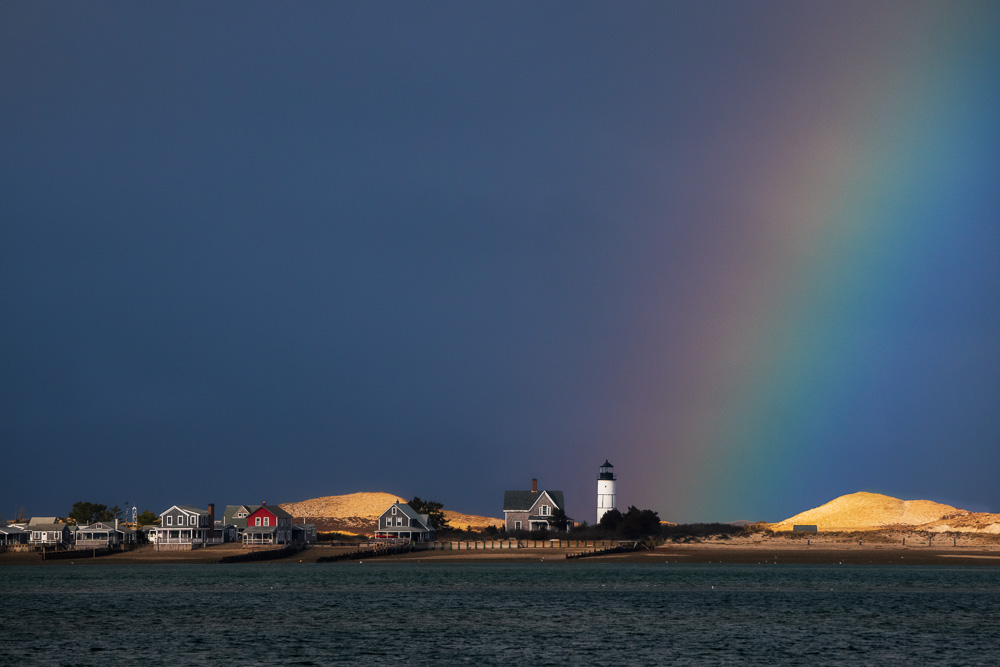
{"x": 771, "y": 552}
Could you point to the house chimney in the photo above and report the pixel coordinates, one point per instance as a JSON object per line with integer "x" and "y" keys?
{"x": 211, "y": 520}
{"x": 534, "y": 485}
{"x": 263, "y": 503}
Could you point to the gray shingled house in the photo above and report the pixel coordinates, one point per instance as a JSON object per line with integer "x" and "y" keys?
{"x": 401, "y": 521}
{"x": 46, "y": 531}
{"x": 102, "y": 535}
{"x": 186, "y": 527}
{"x": 530, "y": 510}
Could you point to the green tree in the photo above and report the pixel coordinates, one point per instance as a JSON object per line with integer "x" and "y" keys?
{"x": 639, "y": 523}
{"x": 611, "y": 521}
{"x": 84, "y": 512}
{"x": 434, "y": 511}
{"x": 635, "y": 523}
{"x": 146, "y": 518}
{"x": 559, "y": 520}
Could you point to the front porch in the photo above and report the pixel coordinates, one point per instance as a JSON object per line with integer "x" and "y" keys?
{"x": 255, "y": 536}
{"x": 182, "y": 539}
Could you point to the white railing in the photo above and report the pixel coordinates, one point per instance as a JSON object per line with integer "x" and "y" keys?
{"x": 189, "y": 540}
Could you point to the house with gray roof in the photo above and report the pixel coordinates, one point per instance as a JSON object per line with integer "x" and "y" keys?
{"x": 402, "y": 522}
{"x": 104, "y": 535}
{"x": 237, "y": 515}
{"x": 531, "y": 510}
{"x": 267, "y": 525}
{"x": 184, "y": 527}
{"x": 47, "y": 531}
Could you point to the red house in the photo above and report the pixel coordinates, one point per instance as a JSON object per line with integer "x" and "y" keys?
{"x": 268, "y": 525}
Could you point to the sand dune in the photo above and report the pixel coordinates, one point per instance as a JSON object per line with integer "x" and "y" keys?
{"x": 459, "y": 520}
{"x": 357, "y": 512}
{"x": 872, "y": 511}
{"x": 972, "y": 522}
{"x": 361, "y": 505}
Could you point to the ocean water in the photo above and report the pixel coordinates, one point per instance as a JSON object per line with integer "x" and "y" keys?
{"x": 538, "y": 614}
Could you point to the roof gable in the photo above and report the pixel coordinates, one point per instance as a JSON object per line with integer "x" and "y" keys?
{"x": 422, "y": 520}
{"x": 276, "y": 512}
{"x": 184, "y": 509}
{"x": 233, "y": 510}
{"x": 523, "y": 501}
{"x": 548, "y": 497}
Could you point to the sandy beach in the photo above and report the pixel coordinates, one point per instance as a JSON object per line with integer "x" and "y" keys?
{"x": 770, "y": 552}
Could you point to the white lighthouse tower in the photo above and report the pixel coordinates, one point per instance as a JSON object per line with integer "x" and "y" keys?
{"x": 605, "y": 490}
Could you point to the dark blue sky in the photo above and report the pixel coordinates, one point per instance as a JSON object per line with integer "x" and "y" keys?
{"x": 274, "y": 252}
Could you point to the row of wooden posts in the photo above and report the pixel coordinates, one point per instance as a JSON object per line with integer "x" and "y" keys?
{"x": 517, "y": 544}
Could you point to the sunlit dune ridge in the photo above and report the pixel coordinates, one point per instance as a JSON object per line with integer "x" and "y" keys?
{"x": 871, "y": 511}
{"x": 365, "y": 507}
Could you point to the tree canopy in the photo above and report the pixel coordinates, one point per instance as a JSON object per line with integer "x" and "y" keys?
{"x": 84, "y": 513}
{"x": 633, "y": 524}
{"x": 559, "y": 521}
{"x": 146, "y": 518}
{"x": 435, "y": 512}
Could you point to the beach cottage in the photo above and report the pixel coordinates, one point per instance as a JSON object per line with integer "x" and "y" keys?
{"x": 400, "y": 521}
{"x": 531, "y": 510}
{"x": 102, "y": 535}
{"x": 185, "y": 527}
{"x": 268, "y": 525}
{"x": 46, "y": 531}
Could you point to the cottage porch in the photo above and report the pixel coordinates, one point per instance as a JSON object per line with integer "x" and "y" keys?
{"x": 261, "y": 535}
{"x": 185, "y": 538}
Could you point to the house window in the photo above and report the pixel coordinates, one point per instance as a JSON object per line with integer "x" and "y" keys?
{"x": 170, "y": 520}
{"x": 394, "y": 510}
{"x": 257, "y": 521}
{"x": 517, "y": 525}
{"x": 543, "y": 510}
{"x": 193, "y": 520}
{"x": 399, "y": 521}
{"x": 267, "y": 521}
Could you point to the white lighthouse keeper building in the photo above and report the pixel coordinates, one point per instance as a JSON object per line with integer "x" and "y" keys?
{"x": 605, "y": 490}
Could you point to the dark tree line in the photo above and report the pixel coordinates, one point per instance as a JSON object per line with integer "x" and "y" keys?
{"x": 85, "y": 513}
{"x": 633, "y": 524}
{"x": 434, "y": 511}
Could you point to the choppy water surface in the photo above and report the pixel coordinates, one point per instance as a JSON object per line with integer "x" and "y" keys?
{"x": 564, "y": 613}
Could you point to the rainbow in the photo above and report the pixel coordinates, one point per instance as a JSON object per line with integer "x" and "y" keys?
{"x": 787, "y": 380}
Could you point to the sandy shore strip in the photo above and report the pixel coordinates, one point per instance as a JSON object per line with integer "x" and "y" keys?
{"x": 764, "y": 553}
